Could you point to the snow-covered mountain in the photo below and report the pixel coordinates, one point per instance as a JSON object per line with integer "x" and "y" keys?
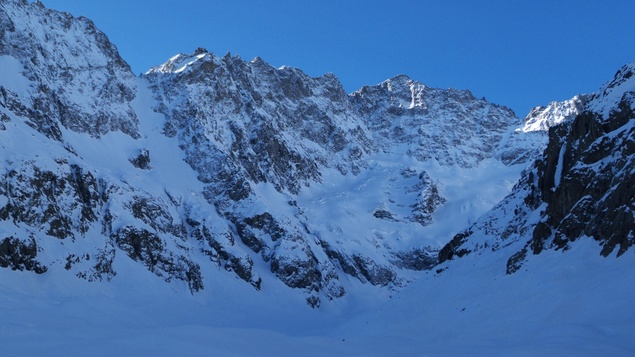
{"x": 210, "y": 161}
{"x": 212, "y": 183}
{"x": 582, "y": 187}
{"x": 278, "y": 151}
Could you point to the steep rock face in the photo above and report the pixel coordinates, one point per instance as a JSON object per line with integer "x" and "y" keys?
{"x": 450, "y": 126}
{"x": 247, "y": 124}
{"x": 63, "y": 89}
{"x": 581, "y": 187}
{"x": 60, "y": 203}
{"x": 68, "y": 204}
{"x": 587, "y": 181}
{"x": 259, "y": 137}
{"x": 277, "y": 125}
{"x": 20, "y": 255}
{"x": 73, "y": 77}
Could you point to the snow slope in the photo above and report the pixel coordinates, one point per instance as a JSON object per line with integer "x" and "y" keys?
{"x": 555, "y": 306}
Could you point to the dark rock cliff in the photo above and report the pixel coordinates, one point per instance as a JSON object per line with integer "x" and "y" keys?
{"x": 581, "y": 188}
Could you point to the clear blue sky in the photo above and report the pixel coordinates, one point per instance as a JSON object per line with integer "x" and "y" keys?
{"x": 516, "y": 53}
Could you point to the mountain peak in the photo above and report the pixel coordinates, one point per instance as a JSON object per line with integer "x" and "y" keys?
{"x": 543, "y": 117}
{"x": 400, "y": 78}
{"x": 181, "y": 62}
{"x": 200, "y": 51}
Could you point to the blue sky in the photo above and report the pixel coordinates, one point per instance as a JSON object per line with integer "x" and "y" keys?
{"x": 516, "y": 53}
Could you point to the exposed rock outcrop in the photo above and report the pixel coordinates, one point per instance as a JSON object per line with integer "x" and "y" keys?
{"x": 581, "y": 188}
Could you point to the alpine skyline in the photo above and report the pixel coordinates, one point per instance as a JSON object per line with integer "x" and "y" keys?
{"x": 515, "y": 53}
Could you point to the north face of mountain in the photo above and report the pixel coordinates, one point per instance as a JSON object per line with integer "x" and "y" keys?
{"x": 449, "y": 126}
{"x": 265, "y": 140}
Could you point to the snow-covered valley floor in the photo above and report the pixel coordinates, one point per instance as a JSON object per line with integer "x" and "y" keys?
{"x": 576, "y": 303}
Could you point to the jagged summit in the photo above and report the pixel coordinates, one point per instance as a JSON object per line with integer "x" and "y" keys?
{"x": 448, "y": 125}
{"x": 178, "y": 63}
{"x": 543, "y": 117}
{"x": 408, "y": 93}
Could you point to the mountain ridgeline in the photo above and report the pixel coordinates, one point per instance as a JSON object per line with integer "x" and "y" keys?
{"x": 209, "y": 163}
